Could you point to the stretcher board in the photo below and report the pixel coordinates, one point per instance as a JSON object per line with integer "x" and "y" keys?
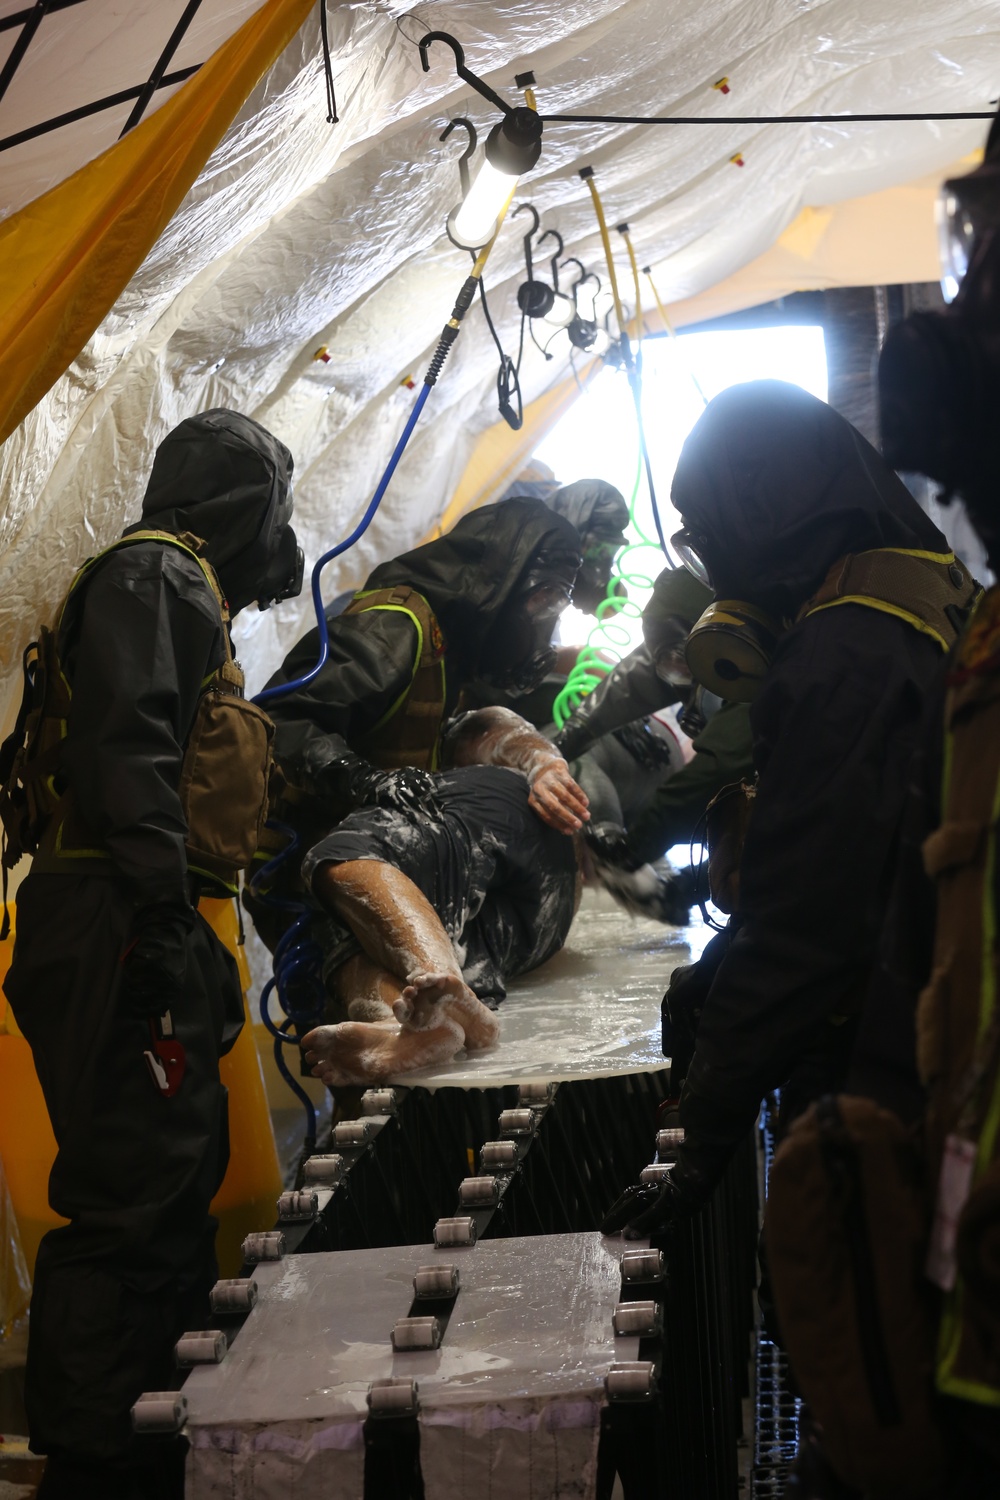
{"x": 512, "y": 1397}
{"x": 592, "y": 1011}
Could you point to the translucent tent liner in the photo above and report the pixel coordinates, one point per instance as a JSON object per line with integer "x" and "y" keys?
{"x": 299, "y": 236}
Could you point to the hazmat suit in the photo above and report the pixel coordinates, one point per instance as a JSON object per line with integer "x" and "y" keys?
{"x": 600, "y": 515}
{"x": 775, "y": 488}
{"x": 657, "y": 810}
{"x": 124, "y": 993}
{"x": 481, "y": 601}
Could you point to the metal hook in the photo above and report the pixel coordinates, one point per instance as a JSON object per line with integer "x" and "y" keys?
{"x": 463, "y": 169}
{"x": 460, "y": 68}
{"x": 554, "y": 234}
{"x": 533, "y": 211}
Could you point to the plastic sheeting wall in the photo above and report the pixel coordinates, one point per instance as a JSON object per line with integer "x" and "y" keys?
{"x": 299, "y": 234}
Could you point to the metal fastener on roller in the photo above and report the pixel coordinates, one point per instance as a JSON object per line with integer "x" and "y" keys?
{"x": 379, "y": 1102}
{"x": 643, "y": 1265}
{"x": 350, "y": 1134}
{"x": 656, "y": 1172}
{"x": 642, "y": 1320}
{"x": 268, "y": 1244}
{"x": 535, "y": 1095}
{"x": 517, "y": 1121}
{"x": 323, "y": 1171}
{"x": 500, "y": 1155}
{"x": 159, "y": 1411}
{"x": 416, "y": 1333}
{"x": 460, "y": 1231}
{"x": 393, "y": 1397}
{"x": 298, "y": 1204}
{"x": 633, "y": 1380}
{"x": 206, "y": 1346}
{"x": 236, "y": 1295}
{"x": 479, "y": 1192}
{"x": 669, "y": 1142}
{"x": 436, "y": 1281}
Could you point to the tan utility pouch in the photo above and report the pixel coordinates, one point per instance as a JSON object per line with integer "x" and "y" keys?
{"x": 224, "y": 778}
{"x": 846, "y": 1230}
{"x": 727, "y": 819}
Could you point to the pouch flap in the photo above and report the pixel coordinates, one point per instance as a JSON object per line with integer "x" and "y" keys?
{"x": 951, "y": 845}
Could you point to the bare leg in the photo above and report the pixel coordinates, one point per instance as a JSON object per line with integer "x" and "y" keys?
{"x": 364, "y": 990}
{"x": 408, "y": 949}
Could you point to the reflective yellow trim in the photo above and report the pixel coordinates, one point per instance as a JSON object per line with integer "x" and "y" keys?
{"x": 944, "y": 558}
{"x": 886, "y": 609}
{"x": 399, "y": 609}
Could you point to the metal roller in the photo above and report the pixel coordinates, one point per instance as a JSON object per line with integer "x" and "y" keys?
{"x": 349, "y": 1135}
{"x": 159, "y": 1411}
{"x": 517, "y": 1121}
{"x": 236, "y": 1295}
{"x": 643, "y": 1265}
{"x": 459, "y": 1231}
{"x": 394, "y": 1397}
{"x": 535, "y": 1095}
{"x": 632, "y": 1380}
{"x": 669, "y": 1142}
{"x": 658, "y": 1172}
{"x": 323, "y": 1171}
{"x": 642, "y": 1320}
{"x": 416, "y": 1333}
{"x": 206, "y": 1346}
{"x": 298, "y": 1204}
{"x": 436, "y": 1281}
{"x": 268, "y": 1244}
{"x": 379, "y": 1102}
{"x": 479, "y": 1192}
{"x": 501, "y": 1156}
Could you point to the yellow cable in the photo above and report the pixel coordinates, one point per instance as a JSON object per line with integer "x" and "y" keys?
{"x": 602, "y": 226}
{"x": 635, "y": 278}
{"x": 668, "y": 327}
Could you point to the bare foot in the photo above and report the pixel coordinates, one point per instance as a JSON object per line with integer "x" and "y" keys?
{"x": 355, "y": 1052}
{"x": 369, "y": 1008}
{"x": 430, "y": 998}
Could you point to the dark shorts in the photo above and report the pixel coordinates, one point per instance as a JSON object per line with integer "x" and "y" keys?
{"x": 502, "y": 881}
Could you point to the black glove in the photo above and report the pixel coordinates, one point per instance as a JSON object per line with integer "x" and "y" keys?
{"x": 659, "y": 1208}
{"x": 406, "y": 790}
{"x": 154, "y": 962}
{"x": 573, "y": 739}
{"x": 608, "y": 842}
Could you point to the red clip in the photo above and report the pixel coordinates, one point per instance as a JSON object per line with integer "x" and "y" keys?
{"x": 324, "y": 354}
{"x": 737, "y": 160}
{"x": 166, "y": 1062}
{"x": 409, "y": 382}
{"x": 722, "y": 84}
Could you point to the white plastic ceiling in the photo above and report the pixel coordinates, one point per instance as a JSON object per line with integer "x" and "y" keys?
{"x": 300, "y": 234}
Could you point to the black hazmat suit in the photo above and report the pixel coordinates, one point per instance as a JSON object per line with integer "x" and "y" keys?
{"x": 600, "y": 515}
{"x": 135, "y": 1171}
{"x": 473, "y": 579}
{"x": 671, "y": 807}
{"x": 777, "y": 487}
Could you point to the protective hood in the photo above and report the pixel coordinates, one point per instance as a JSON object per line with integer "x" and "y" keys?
{"x": 776, "y": 486}
{"x": 469, "y": 575}
{"x": 591, "y": 505}
{"x": 225, "y": 478}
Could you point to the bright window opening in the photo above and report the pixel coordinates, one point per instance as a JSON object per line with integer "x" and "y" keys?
{"x": 598, "y": 437}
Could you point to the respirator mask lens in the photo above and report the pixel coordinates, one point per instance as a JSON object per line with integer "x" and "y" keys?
{"x": 285, "y": 574}
{"x": 687, "y": 547}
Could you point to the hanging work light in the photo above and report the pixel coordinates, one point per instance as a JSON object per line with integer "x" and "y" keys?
{"x": 512, "y": 148}
{"x": 563, "y": 308}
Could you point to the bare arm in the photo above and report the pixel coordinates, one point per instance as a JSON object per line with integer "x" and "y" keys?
{"x": 500, "y": 737}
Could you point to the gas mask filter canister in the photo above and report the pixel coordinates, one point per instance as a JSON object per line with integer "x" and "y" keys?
{"x": 730, "y": 649}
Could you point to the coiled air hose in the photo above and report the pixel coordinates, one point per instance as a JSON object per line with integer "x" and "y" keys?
{"x": 297, "y": 976}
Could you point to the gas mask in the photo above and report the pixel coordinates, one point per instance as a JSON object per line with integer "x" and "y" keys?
{"x": 517, "y": 654}
{"x": 591, "y": 587}
{"x": 285, "y": 572}
{"x": 731, "y": 645}
{"x": 939, "y": 372}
